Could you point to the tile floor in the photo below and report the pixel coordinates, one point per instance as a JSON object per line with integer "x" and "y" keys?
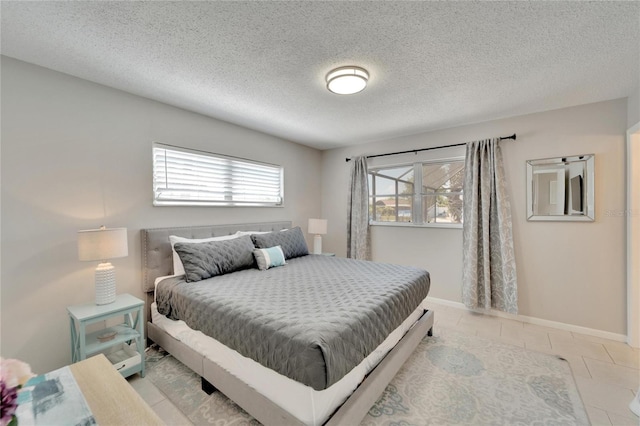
{"x": 607, "y": 372}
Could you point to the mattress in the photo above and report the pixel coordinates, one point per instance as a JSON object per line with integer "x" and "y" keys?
{"x": 321, "y": 315}
{"x": 309, "y": 406}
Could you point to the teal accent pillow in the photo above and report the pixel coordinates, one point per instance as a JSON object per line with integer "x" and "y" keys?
{"x": 269, "y": 257}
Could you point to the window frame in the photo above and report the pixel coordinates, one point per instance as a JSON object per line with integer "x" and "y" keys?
{"x": 227, "y": 171}
{"x": 417, "y": 219}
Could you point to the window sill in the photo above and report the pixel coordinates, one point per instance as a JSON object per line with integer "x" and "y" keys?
{"x": 415, "y": 225}
{"x": 216, "y": 204}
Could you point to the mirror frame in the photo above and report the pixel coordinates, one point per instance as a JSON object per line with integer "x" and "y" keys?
{"x": 589, "y": 210}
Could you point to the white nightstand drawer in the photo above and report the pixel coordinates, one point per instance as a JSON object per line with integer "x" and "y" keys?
{"x": 123, "y": 356}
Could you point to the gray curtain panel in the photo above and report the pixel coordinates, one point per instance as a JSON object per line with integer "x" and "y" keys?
{"x": 358, "y": 239}
{"x": 489, "y": 272}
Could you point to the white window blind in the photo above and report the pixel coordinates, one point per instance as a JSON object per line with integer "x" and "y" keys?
{"x": 187, "y": 177}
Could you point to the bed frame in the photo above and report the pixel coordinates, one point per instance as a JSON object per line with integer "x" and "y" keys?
{"x": 157, "y": 262}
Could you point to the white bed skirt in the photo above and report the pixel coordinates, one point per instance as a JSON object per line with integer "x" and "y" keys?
{"x": 309, "y": 406}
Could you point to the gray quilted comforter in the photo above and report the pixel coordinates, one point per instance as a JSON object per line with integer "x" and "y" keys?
{"x": 312, "y": 320}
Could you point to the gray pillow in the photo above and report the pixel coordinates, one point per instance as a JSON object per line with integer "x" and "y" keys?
{"x": 292, "y": 242}
{"x": 206, "y": 260}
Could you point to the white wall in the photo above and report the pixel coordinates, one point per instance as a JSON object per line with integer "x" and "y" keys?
{"x": 633, "y": 235}
{"x": 76, "y": 155}
{"x": 569, "y": 272}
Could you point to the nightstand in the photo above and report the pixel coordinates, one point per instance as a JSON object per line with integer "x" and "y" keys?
{"x": 116, "y": 343}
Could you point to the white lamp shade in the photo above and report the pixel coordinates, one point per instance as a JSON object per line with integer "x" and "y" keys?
{"x": 102, "y": 244}
{"x": 318, "y": 226}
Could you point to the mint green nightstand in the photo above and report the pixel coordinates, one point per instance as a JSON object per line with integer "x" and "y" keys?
{"x": 118, "y": 348}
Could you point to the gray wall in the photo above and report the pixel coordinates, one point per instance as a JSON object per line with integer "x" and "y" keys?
{"x": 77, "y": 155}
{"x": 633, "y": 108}
{"x": 569, "y": 272}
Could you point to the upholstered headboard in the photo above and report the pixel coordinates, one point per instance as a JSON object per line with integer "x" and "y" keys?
{"x": 157, "y": 258}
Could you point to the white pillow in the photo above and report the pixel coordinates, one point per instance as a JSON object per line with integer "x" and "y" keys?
{"x": 178, "y": 268}
{"x": 243, "y": 233}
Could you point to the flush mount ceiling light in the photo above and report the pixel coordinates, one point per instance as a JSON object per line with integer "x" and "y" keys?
{"x": 347, "y": 80}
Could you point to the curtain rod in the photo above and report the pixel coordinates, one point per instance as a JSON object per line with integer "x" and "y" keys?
{"x": 415, "y": 151}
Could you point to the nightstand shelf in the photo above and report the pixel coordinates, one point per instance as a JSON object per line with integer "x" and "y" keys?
{"x": 124, "y": 358}
{"x": 124, "y": 334}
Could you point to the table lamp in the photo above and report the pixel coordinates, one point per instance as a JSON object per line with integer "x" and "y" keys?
{"x": 319, "y": 228}
{"x": 103, "y": 244}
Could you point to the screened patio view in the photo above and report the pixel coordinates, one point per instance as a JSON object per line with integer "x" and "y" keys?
{"x": 393, "y": 197}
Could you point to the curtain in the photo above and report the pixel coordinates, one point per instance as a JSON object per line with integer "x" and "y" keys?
{"x": 489, "y": 267}
{"x": 358, "y": 239}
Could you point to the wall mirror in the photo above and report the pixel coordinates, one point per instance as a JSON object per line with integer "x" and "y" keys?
{"x": 561, "y": 188}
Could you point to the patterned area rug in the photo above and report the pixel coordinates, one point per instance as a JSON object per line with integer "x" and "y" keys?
{"x": 452, "y": 379}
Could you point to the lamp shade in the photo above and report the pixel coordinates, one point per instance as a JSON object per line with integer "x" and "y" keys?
{"x": 102, "y": 244}
{"x": 318, "y": 226}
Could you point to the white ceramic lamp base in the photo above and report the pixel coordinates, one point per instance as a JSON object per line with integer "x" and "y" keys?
{"x": 317, "y": 244}
{"x": 635, "y": 404}
{"x": 105, "y": 284}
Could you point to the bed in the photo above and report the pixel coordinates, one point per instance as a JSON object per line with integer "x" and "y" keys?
{"x": 350, "y": 383}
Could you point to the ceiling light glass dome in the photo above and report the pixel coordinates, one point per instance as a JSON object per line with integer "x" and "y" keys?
{"x": 347, "y": 80}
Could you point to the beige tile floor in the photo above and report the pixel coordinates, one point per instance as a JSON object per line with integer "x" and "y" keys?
{"x": 607, "y": 372}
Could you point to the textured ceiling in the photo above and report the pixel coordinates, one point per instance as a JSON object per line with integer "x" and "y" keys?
{"x": 262, "y": 64}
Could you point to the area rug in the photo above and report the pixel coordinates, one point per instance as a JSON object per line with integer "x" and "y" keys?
{"x": 451, "y": 379}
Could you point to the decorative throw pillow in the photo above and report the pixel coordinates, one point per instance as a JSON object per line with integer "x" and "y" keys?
{"x": 178, "y": 269}
{"x": 206, "y": 260}
{"x": 292, "y": 242}
{"x": 269, "y": 257}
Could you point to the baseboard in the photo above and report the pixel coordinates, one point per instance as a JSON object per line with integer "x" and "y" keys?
{"x": 533, "y": 320}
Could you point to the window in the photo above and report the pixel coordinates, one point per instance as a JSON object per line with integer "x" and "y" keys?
{"x": 195, "y": 178}
{"x": 393, "y": 195}
{"x": 442, "y": 192}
